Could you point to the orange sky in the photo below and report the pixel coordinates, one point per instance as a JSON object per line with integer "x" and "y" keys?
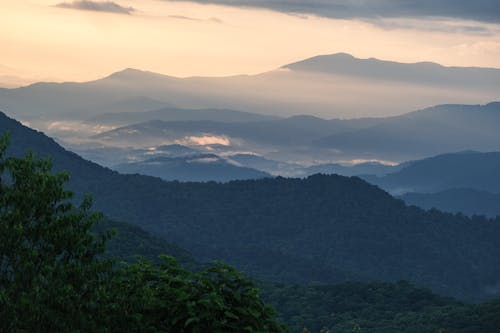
{"x": 42, "y": 42}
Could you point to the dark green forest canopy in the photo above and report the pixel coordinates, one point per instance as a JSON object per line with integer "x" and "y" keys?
{"x": 129, "y": 242}
{"x": 377, "y": 308}
{"x": 325, "y": 229}
{"x": 54, "y": 276}
{"x": 166, "y": 297}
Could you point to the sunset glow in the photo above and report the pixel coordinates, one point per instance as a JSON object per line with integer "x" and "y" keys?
{"x": 42, "y": 41}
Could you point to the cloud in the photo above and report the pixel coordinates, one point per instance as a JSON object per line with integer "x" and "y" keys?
{"x": 477, "y": 10}
{"x": 98, "y": 6}
{"x": 71, "y": 127}
{"x": 205, "y": 140}
{"x": 436, "y": 25}
{"x": 189, "y": 18}
{"x": 363, "y": 161}
{"x": 182, "y": 17}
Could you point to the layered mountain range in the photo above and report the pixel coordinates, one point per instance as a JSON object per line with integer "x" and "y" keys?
{"x": 322, "y": 229}
{"x": 249, "y": 127}
{"x": 330, "y": 86}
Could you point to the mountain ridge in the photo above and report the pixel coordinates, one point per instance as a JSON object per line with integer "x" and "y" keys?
{"x": 321, "y": 229}
{"x": 275, "y": 92}
{"x": 349, "y": 57}
{"x": 466, "y": 169}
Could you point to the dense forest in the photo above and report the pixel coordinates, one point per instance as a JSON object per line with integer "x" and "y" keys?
{"x": 324, "y": 229}
{"x": 377, "y": 308}
{"x": 60, "y": 272}
{"x": 54, "y": 277}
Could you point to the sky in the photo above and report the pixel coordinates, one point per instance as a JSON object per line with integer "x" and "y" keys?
{"x": 65, "y": 40}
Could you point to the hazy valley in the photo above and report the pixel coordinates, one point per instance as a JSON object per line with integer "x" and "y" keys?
{"x": 349, "y": 194}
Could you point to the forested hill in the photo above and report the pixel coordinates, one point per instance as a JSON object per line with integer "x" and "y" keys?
{"x": 322, "y": 229}
{"x": 378, "y": 308}
{"x": 130, "y": 242}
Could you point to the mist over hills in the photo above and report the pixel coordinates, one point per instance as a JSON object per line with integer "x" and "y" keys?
{"x": 327, "y": 86}
{"x": 461, "y": 200}
{"x": 323, "y": 229}
{"x": 177, "y": 114}
{"x": 431, "y": 131}
{"x": 464, "y": 182}
{"x": 257, "y": 113}
{"x": 472, "y": 170}
{"x": 293, "y": 130}
{"x": 197, "y": 168}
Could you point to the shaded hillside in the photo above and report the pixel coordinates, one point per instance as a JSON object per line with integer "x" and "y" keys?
{"x": 368, "y": 168}
{"x": 177, "y": 114}
{"x": 377, "y": 308}
{"x": 199, "y": 167}
{"x": 323, "y": 228}
{"x": 294, "y": 130}
{"x": 130, "y": 241}
{"x": 466, "y": 201}
{"x": 432, "y": 131}
{"x": 472, "y": 170}
{"x": 268, "y": 165}
{"x": 436, "y": 130}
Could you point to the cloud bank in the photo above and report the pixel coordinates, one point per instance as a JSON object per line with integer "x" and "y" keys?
{"x": 106, "y": 6}
{"x": 477, "y": 10}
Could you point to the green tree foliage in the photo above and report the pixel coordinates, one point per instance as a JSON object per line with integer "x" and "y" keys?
{"x": 378, "y": 308}
{"x": 167, "y": 298}
{"x": 53, "y": 277}
{"x": 130, "y": 242}
{"x": 50, "y": 279}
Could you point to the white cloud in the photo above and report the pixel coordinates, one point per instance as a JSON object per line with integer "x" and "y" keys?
{"x": 205, "y": 140}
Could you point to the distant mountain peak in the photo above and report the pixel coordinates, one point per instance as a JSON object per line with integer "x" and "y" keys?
{"x": 127, "y": 72}
{"x": 133, "y": 73}
{"x": 340, "y": 55}
{"x": 327, "y": 62}
{"x": 472, "y": 108}
{"x": 428, "y": 73}
{"x": 493, "y": 105}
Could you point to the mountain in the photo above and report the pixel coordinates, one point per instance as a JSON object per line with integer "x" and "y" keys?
{"x": 110, "y": 156}
{"x": 470, "y": 170}
{"x": 375, "y": 308}
{"x": 290, "y": 169}
{"x": 138, "y": 104}
{"x": 176, "y": 150}
{"x": 261, "y": 163}
{"x": 423, "y": 72}
{"x": 322, "y": 229}
{"x": 366, "y": 168}
{"x": 294, "y": 130}
{"x": 436, "y": 130}
{"x": 197, "y": 168}
{"x": 177, "y": 114}
{"x": 292, "y": 142}
{"x": 447, "y": 128}
{"x": 327, "y": 86}
{"x": 466, "y": 201}
{"x": 305, "y": 139}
